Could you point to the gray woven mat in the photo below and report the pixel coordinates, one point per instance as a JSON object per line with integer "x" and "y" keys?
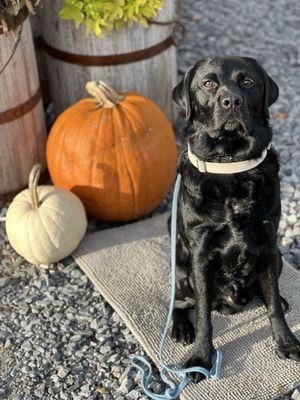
{"x": 130, "y": 268}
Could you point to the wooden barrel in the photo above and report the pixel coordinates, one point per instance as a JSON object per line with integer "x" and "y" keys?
{"x": 22, "y": 123}
{"x": 132, "y": 59}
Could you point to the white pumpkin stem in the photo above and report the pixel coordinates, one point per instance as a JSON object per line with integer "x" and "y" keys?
{"x": 104, "y": 94}
{"x": 34, "y": 177}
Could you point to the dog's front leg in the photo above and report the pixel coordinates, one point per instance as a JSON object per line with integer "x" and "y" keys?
{"x": 287, "y": 344}
{"x": 203, "y": 346}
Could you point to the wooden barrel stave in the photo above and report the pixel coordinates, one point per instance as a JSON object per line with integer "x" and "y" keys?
{"x": 22, "y": 140}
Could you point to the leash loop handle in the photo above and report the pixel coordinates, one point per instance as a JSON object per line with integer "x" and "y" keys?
{"x": 143, "y": 366}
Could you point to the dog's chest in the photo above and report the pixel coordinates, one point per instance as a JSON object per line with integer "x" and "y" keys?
{"x": 235, "y": 209}
{"x": 227, "y": 201}
{"x": 225, "y": 211}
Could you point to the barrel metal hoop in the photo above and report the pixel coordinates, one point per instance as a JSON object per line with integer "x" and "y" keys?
{"x": 108, "y": 60}
{"x": 20, "y": 110}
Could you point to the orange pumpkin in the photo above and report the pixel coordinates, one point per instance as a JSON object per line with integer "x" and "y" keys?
{"x": 117, "y": 153}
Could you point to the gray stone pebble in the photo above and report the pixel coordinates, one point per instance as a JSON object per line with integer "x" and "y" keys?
{"x": 126, "y": 385}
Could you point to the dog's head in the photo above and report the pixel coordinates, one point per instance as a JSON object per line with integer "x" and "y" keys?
{"x": 226, "y": 103}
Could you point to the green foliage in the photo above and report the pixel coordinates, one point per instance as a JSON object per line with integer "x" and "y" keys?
{"x": 106, "y": 15}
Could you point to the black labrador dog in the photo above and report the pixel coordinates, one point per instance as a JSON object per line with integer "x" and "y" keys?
{"x": 227, "y": 223}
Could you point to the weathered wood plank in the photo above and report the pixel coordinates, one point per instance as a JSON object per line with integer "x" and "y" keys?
{"x": 22, "y": 141}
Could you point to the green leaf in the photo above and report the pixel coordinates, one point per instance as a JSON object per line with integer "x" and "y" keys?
{"x": 105, "y": 15}
{"x": 72, "y": 12}
{"x": 89, "y": 25}
{"x": 98, "y": 31}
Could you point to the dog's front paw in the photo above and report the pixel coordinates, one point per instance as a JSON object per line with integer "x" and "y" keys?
{"x": 197, "y": 362}
{"x": 183, "y": 331}
{"x": 289, "y": 347}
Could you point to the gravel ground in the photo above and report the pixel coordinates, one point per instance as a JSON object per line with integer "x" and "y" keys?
{"x": 58, "y": 338}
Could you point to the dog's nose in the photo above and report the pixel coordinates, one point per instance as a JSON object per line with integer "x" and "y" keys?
{"x": 231, "y": 101}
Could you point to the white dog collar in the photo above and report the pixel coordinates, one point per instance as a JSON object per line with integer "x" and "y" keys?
{"x": 224, "y": 167}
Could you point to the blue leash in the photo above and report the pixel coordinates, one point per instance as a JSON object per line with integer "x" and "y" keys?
{"x": 140, "y": 362}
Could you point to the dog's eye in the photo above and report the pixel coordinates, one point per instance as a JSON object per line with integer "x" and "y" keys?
{"x": 247, "y": 82}
{"x": 209, "y": 84}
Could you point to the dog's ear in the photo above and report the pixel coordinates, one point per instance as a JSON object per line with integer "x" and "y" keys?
{"x": 271, "y": 93}
{"x": 271, "y": 90}
{"x": 181, "y": 93}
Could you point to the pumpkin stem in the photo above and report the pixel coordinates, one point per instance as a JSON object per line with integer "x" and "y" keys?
{"x": 104, "y": 94}
{"x": 34, "y": 177}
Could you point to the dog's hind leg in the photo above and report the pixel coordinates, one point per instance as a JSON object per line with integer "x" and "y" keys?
{"x": 284, "y": 303}
{"x": 183, "y": 330}
{"x": 258, "y": 289}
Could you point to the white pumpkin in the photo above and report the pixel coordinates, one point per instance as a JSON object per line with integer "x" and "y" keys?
{"x": 45, "y": 224}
